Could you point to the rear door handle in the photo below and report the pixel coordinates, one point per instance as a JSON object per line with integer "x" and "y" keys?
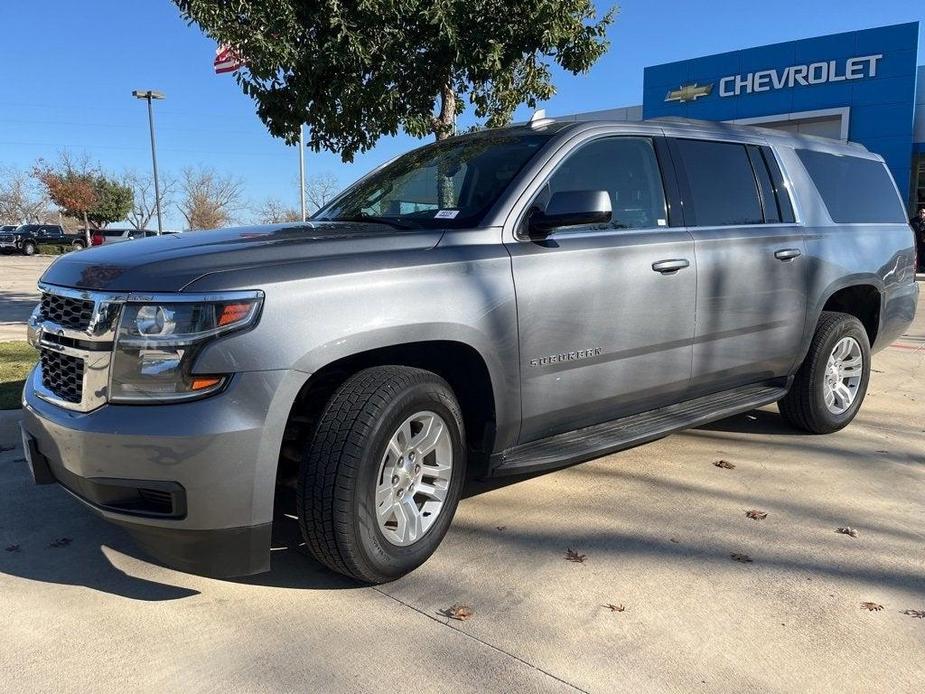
{"x": 669, "y": 267}
{"x": 786, "y": 254}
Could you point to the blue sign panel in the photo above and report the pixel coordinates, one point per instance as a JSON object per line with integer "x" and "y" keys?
{"x": 869, "y": 75}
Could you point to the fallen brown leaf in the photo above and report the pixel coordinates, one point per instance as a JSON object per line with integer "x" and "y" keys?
{"x": 61, "y": 542}
{"x": 756, "y": 515}
{"x": 500, "y": 528}
{"x": 4, "y": 449}
{"x": 871, "y": 606}
{"x": 744, "y": 558}
{"x": 725, "y": 464}
{"x": 12, "y": 548}
{"x": 918, "y": 614}
{"x": 616, "y": 608}
{"x": 850, "y": 532}
{"x": 572, "y": 555}
{"x": 460, "y": 612}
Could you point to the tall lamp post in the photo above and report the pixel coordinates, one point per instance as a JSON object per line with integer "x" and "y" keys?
{"x": 150, "y": 95}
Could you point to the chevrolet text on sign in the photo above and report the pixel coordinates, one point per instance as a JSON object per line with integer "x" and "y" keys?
{"x": 800, "y": 75}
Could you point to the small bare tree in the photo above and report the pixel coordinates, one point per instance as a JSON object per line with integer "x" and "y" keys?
{"x": 23, "y": 198}
{"x": 144, "y": 208}
{"x": 321, "y": 189}
{"x": 273, "y": 211}
{"x": 208, "y": 199}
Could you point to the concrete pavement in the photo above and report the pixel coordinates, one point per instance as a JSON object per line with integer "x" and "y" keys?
{"x": 657, "y": 526}
{"x": 18, "y": 276}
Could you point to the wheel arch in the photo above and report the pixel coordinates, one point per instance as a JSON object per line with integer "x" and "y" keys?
{"x": 861, "y": 296}
{"x": 464, "y": 367}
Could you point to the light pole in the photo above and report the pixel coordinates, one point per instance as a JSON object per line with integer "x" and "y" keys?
{"x": 302, "y": 169}
{"x": 149, "y": 96}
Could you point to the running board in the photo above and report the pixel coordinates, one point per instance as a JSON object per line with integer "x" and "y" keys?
{"x": 594, "y": 441}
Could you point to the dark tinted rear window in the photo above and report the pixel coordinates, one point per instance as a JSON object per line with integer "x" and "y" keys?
{"x": 723, "y": 190}
{"x": 855, "y": 190}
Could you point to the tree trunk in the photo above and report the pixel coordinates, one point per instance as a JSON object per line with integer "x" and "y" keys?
{"x": 87, "y": 229}
{"x": 444, "y": 125}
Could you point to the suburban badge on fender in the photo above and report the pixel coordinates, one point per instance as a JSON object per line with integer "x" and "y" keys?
{"x": 567, "y": 356}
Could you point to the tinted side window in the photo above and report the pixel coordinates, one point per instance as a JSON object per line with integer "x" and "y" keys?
{"x": 625, "y": 167}
{"x": 765, "y": 186}
{"x": 780, "y": 189}
{"x": 721, "y": 184}
{"x": 854, "y": 190}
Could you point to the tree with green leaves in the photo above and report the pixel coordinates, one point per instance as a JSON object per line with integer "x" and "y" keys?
{"x": 113, "y": 201}
{"x": 82, "y": 191}
{"x": 356, "y": 71}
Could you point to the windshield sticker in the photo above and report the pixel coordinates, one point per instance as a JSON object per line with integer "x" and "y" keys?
{"x": 446, "y": 214}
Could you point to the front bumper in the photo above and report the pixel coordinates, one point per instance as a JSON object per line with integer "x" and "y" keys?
{"x": 207, "y": 469}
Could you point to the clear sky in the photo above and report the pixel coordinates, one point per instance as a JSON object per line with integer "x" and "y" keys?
{"x": 68, "y": 67}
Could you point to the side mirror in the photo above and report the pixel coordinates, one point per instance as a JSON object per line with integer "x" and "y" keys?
{"x": 571, "y": 208}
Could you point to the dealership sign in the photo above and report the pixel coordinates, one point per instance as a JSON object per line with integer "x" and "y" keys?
{"x": 824, "y": 72}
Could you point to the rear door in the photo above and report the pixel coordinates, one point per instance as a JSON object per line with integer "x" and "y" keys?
{"x": 752, "y": 283}
{"x": 603, "y": 332}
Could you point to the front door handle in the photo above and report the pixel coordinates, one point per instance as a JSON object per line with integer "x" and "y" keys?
{"x": 669, "y": 267}
{"x": 786, "y": 254}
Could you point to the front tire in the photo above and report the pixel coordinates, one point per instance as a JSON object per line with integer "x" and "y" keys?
{"x": 380, "y": 481}
{"x": 830, "y": 386}
{"x": 28, "y": 248}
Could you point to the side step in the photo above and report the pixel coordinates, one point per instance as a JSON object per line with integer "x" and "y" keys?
{"x": 594, "y": 441}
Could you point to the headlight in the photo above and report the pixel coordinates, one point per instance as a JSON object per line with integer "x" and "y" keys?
{"x": 157, "y": 344}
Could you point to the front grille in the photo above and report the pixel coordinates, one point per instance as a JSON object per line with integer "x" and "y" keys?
{"x": 63, "y": 375}
{"x": 67, "y": 311}
{"x": 6, "y": 238}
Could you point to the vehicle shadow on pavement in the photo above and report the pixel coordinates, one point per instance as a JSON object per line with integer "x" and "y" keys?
{"x": 754, "y": 422}
{"x": 291, "y": 566}
{"x": 55, "y": 540}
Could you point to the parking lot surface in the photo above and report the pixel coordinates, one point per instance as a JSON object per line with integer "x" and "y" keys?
{"x": 652, "y": 598}
{"x": 18, "y": 292}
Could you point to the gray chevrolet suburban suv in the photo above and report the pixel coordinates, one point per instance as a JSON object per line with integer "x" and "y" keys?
{"x": 501, "y": 302}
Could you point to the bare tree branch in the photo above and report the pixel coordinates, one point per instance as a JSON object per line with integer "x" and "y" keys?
{"x": 23, "y": 199}
{"x": 273, "y": 211}
{"x": 144, "y": 208}
{"x": 321, "y": 189}
{"x": 209, "y": 200}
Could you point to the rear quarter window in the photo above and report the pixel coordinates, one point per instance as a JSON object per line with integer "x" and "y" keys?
{"x": 854, "y": 190}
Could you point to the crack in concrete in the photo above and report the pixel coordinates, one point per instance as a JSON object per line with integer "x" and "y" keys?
{"x": 447, "y": 624}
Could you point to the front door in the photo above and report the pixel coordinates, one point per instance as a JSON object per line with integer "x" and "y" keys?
{"x": 605, "y": 325}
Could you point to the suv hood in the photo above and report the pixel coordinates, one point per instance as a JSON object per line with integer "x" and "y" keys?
{"x": 172, "y": 261}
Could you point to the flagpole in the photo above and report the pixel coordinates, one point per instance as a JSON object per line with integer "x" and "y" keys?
{"x": 302, "y": 169}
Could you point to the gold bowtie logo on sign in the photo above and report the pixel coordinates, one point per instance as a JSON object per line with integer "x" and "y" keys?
{"x": 689, "y": 92}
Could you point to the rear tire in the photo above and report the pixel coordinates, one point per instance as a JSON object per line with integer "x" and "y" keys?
{"x": 78, "y": 245}
{"x": 353, "y": 472}
{"x": 830, "y": 386}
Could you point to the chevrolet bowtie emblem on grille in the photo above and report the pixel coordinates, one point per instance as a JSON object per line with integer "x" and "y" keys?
{"x": 689, "y": 92}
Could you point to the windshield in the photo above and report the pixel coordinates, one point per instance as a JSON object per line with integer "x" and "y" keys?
{"x": 26, "y": 228}
{"x": 447, "y": 184}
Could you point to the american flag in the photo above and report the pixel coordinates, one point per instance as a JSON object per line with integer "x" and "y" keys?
{"x": 226, "y": 60}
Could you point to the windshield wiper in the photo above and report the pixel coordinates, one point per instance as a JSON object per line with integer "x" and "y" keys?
{"x": 390, "y": 221}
